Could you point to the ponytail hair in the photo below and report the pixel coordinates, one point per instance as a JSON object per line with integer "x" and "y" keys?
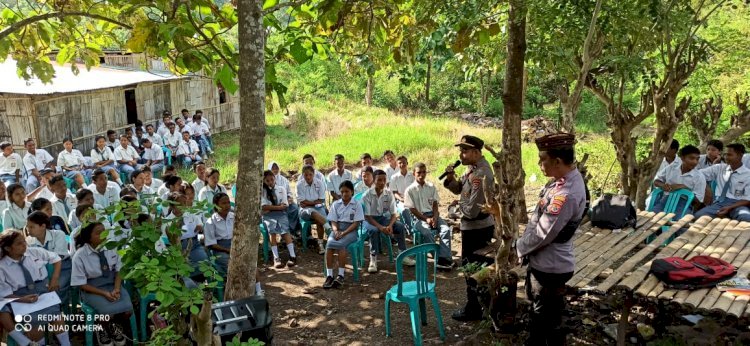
{"x": 270, "y": 194}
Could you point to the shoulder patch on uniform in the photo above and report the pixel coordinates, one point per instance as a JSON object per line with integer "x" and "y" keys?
{"x": 556, "y": 204}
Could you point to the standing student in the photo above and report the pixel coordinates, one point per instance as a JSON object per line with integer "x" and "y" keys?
{"x": 104, "y": 159}
{"x": 212, "y": 187}
{"x": 15, "y": 215}
{"x": 63, "y": 202}
{"x": 35, "y": 161}
{"x": 311, "y": 194}
{"x": 96, "y": 271}
{"x": 732, "y": 187}
{"x": 218, "y": 232}
{"x": 10, "y": 164}
{"x": 23, "y": 275}
{"x": 381, "y": 217}
{"x": 273, "y": 208}
{"x": 338, "y": 176}
{"x": 346, "y": 215}
{"x": 154, "y": 156}
{"x": 126, "y": 156}
{"x": 39, "y": 233}
{"x": 72, "y": 163}
{"x": 681, "y": 176}
{"x": 292, "y": 210}
{"x": 423, "y": 202}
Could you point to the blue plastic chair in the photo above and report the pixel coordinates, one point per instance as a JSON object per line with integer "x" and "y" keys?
{"x": 143, "y": 312}
{"x": 655, "y": 195}
{"x": 90, "y": 312}
{"x": 305, "y": 233}
{"x": 355, "y": 250}
{"x": 266, "y": 241}
{"x": 167, "y": 155}
{"x": 415, "y": 292}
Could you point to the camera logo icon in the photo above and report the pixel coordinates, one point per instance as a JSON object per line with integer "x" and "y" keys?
{"x": 26, "y": 325}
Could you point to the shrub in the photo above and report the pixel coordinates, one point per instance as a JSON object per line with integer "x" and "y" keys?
{"x": 494, "y": 108}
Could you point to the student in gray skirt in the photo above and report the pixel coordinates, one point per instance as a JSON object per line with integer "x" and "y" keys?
{"x": 274, "y": 206}
{"x": 345, "y": 218}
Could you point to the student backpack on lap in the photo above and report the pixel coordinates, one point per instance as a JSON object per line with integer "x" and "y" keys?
{"x": 697, "y": 272}
{"x": 613, "y": 212}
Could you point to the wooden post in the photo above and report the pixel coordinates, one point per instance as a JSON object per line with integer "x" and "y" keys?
{"x": 622, "y": 327}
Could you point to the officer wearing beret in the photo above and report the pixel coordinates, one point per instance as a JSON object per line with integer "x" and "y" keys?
{"x": 477, "y": 227}
{"x": 547, "y": 242}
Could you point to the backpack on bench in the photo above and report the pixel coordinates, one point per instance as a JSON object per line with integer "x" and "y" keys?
{"x": 697, "y": 272}
{"x": 613, "y": 212}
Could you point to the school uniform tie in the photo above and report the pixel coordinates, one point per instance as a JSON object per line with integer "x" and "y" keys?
{"x": 67, "y": 209}
{"x": 26, "y": 274}
{"x": 104, "y": 264}
{"x": 724, "y": 191}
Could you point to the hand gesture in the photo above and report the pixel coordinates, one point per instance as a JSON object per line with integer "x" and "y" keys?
{"x": 53, "y": 285}
{"x": 109, "y": 296}
{"x": 116, "y": 293}
{"x": 338, "y": 235}
{"x": 724, "y": 212}
{"x": 31, "y": 298}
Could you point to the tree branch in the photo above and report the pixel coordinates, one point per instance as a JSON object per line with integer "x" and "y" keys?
{"x": 42, "y": 17}
{"x": 208, "y": 40}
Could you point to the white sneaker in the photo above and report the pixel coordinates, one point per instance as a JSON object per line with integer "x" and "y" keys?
{"x": 261, "y": 293}
{"x": 373, "y": 268}
{"x": 410, "y": 262}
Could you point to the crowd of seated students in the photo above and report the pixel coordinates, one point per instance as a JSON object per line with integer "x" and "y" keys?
{"x": 719, "y": 180}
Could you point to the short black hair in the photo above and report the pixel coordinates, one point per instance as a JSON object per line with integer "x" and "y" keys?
{"x": 56, "y": 178}
{"x": 39, "y": 218}
{"x": 4, "y": 145}
{"x": 346, "y": 184}
{"x": 111, "y": 132}
{"x": 38, "y": 204}
{"x": 365, "y": 156}
{"x": 675, "y": 145}
{"x": 689, "y": 150}
{"x": 184, "y": 110}
{"x": 83, "y": 193}
{"x": 127, "y": 190}
{"x": 82, "y": 209}
{"x": 378, "y": 172}
{"x": 566, "y": 155}
{"x": 84, "y": 235}
{"x": 12, "y": 188}
{"x": 308, "y": 156}
{"x": 98, "y": 137}
{"x": 27, "y": 141}
{"x": 716, "y": 144}
{"x": 97, "y": 172}
{"x": 737, "y": 147}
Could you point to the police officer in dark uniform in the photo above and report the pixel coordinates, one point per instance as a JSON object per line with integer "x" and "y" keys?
{"x": 547, "y": 242}
{"x": 477, "y": 227}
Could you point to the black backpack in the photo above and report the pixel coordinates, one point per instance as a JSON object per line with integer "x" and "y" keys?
{"x": 613, "y": 212}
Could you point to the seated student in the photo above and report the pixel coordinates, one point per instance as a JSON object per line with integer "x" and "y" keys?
{"x": 148, "y": 179}
{"x": 199, "y": 168}
{"x": 191, "y": 225}
{"x": 72, "y": 163}
{"x": 212, "y": 186}
{"x": 713, "y": 155}
{"x": 181, "y": 127}
{"x": 84, "y": 197}
{"x": 3, "y": 199}
{"x": 292, "y": 210}
{"x": 218, "y": 232}
{"x": 35, "y": 161}
{"x": 138, "y": 138}
{"x": 152, "y": 136}
{"x": 186, "y": 116}
{"x": 104, "y": 159}
{"x": 199, "y": 131}
{"x": 126, "y": 156}
{"x": 671, "y": 156}
{"x": 204, "y": 120}
{"x": 172, "y": 183}
{"x": 23, "y": 275}
{"x": 132, "y": 139}
{"x": 346, "y": 215}
{"x": 63, "y": 202}
{"x": 273, "y": 211}
{"x": 112, "y": 141}
{"x": 187, "y": 150}
{"x": 398, "y": 184}
{"x": 381, "y": 217}
{"x": 189, "y": 192}
{"x": 15, "y": 215}
{"x": 366, "y": 182}
{"x": 170, "y": 169}
{"x": 309, "y": 160}
{"x": 39, "y": 233}
{"x": 732, "y": 187}
{"x": 391, "y": 166}
{"x": 423, "y": 200}
{"x": 154, "y": 156}
{"x": 104, "y": 194}
{"x": 681, "y": 176}
{"x": 338, "y": 176}
{"x": 163, "y": 129}
{"x": 10, "y": 164}
{"x": 311, "y": 194}
{"x": 746, "y": 160}
{"x": 138, "y": 183}
{"x": 96, "y": 271}
{"x": 365, "y": 161}
{"x": 172, "y": 138}
{"x": 45, "y": 206}
{"x": 43, "y": 191}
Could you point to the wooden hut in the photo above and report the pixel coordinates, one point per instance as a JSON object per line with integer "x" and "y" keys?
{"x": 107, "y": 97}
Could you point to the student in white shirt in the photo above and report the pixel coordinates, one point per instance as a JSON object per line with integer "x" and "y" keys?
{"x": 155, "y": 138}
{"x": 398, "y": 184}
{"x": 311, "y": 194}
{"x": 218, "y": 232}
{"x": 72, "y": 163}
{"x": 172, "y": 138}
{"x": 367, "y": 181}
{"x": 205, "y": 121}
{"x": 3, "y": 199}
{"x": 681, "y": 176}
{"x": 153, "y": 183}
{"x": 15, "y": 215}
{"x": 365, "y": 161}
{"x": 112, "y": 141}
{"x": 138, "y": 183}
{"x": 104, "y": 159}
{"x": 35, "y": 161}
{"x": 43, "y": 191}
{"x": 154, "y": 156}
{"x": 309, "y": 160}
{"x": 163, "y": 128}
{"x": 187, "y": 151}
{"x": 732, "y": 187}
{"x": 181, "y": 127}
{"x": 346, "y": 216}
{"x": 212, "y": 186}
{"x": 126, "y": 156}
{"x": 133, "y": 140}
{"x": 391, "y": 166}
{"x": 105, "y": 195}
{"x": 671, "y": 155}
{"x": 191, "y": 225}
{"x": 199, "y": 132}
{"x": 39, "y": 233}
{"x": 63, "y": 202}
{"x": 273, "y": 212}
{"x": 713, "y": 155}
{"x": 10, "y": 164}
{"x": 199, "y": 168}
{"x": 338, "y": 176}
{"x": 186, "y": 116}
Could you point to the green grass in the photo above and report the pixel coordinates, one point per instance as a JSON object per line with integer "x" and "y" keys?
{"x": 326, "y": 129}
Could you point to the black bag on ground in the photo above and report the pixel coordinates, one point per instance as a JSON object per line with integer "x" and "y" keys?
{"x": 613, "y": 212}
{"x": 249, "y": 317}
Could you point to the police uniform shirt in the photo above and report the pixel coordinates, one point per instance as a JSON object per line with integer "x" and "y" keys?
{"x": 15, "y": 217}
{"x": 207, "y": 193}
{"x": 38, "y": 161}
{"x": 10, "y": 164}
{"x": 280, "y": 193}
{"x": 471, "y": 190}
{"x": 62, "y": 207}
{"x": 69, "y": 159}
{"x": 101, "y": 155}
{"x": 562, "y": 201}
{"x": 694, "y": 180}
{"x": 310, "y": 192}
{"x": 35, "y": 260}
{"x": 155, "y": 153}
{"x": 379, "y": 206}
{"x": 54, "y": 241}
{"x": 335, "y": 180}
{"x": 421, "y": 197}
{"x": 739, "y": 188}
{"x": 349, "y": 213}
{"x": 704, "y": 162}
{"x": 187, "y": 148}
{"x": 126, "y": 154}
{"x": 86, "y": 264}
{"x": 172, "y": 139}
{"x": 664, "y": 163}
{"x": 399, "y": 182}
{"x": 218, "y": 228}
{"x": 110, "y": 196}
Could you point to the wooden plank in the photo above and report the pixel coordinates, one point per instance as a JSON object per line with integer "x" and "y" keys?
{"x": 593, "y": 269}
{"x": 598, "y": 237}
{"x": 643, "y": 253}
{"x": 731, "y": 304}
{"x": 601, "y": 247}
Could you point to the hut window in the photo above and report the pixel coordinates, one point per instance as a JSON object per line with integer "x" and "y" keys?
{"x": 222, "y": 95}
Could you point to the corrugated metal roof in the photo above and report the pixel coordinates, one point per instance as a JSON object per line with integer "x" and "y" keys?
{"x": 66, "y": 82}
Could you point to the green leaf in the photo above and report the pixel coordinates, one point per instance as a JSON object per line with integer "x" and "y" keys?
{"x": 270, "y": 3}
{"x": 226, "y": 77}
{"x": 194, "y": 310}
{"x": 299, "y": 53}
{"x": 65, "y": 54}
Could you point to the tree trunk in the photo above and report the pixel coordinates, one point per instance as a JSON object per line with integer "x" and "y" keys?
{"x": 244, "y": 252}
{"x": 427, "y": 82}
{"x": 368, "y": 92}
{"x": 482, "y": 90}
{"x": 740, "y": 122}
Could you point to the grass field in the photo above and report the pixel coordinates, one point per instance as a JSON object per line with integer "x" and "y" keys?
{"x": 325, "y": 129}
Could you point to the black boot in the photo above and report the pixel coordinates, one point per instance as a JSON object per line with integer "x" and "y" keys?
{"x": 472, "y": 311}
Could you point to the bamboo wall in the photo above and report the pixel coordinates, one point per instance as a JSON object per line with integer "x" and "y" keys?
{"x": 16, "y": 122}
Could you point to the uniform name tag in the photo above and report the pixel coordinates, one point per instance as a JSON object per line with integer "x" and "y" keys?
{"x": 351, "y": 216}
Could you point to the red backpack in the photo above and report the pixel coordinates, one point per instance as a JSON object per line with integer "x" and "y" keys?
{"x": 697, "y": 272}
